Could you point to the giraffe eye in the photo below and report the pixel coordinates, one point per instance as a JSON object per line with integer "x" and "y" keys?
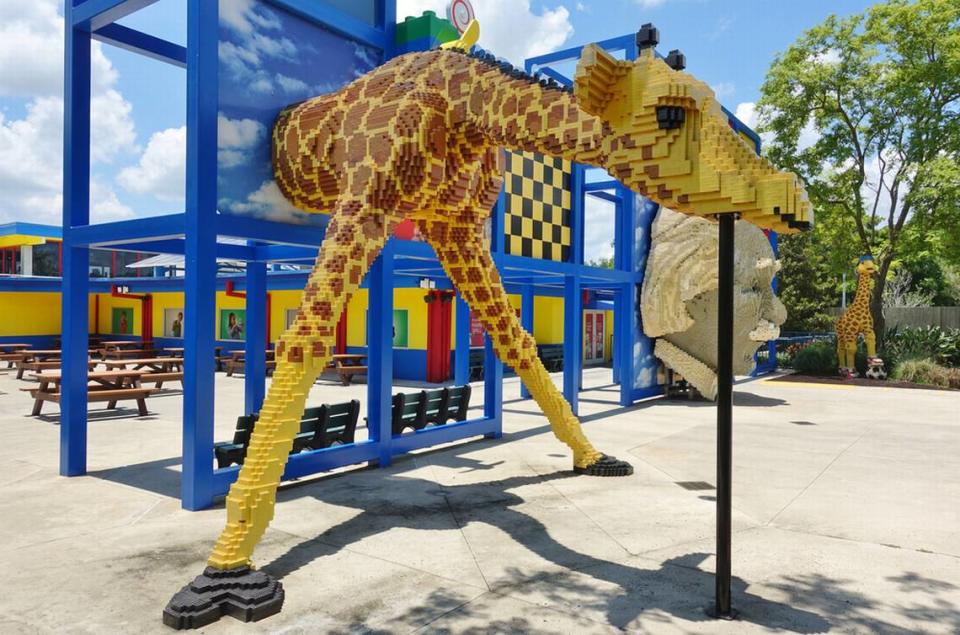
{"x": 670, "y": 117}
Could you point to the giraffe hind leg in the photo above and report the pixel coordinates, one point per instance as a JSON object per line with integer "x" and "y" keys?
{"x": 468, "y": 263}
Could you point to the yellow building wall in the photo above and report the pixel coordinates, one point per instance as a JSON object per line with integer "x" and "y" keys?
{"x": 31, "y": 313}
{"x": 107, "y": 304}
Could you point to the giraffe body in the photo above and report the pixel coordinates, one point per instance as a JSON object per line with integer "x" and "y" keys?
{"x": 420, "y": 138}
{"x": 857, "y": 320}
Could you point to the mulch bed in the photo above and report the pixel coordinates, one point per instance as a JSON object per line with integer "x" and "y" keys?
{"x": 859, "y": 381}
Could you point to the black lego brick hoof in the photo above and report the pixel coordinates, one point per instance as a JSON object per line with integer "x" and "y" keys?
{"x": 606, "y": 466}
{"x": 242, "y": 593}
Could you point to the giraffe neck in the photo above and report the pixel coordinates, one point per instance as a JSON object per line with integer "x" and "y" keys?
{"x": 864, "y": 288}
{"x": 521, "y": 115}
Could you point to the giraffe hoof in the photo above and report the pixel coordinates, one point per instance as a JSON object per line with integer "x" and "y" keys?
{"x": 242, "y": 593}
{"x": 606, "y": 466}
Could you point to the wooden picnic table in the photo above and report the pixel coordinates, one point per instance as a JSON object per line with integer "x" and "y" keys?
{"x": 151, "y": 364}
{"x": 120, "y": 343}
{"x": 176, "y": 351}
{"x": 13, "y": 346}
{"x": 110, "y": 386}
{"x": 347, "y": 365}
{"x": 238, "y": 360}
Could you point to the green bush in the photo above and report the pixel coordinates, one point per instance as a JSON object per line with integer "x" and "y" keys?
{"x": 941, "y": 346}
{"x": 818, "y": 358}
{"x": 927, "y": 371}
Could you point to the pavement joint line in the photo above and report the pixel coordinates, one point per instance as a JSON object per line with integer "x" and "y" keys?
{"x": 317, "y": 540}
{"x": 141, "y": 515}
{"x": 577, "y": 507}
{"x": 817, "y": 477}
{"x": 445, "y": 613}
{"x": 860, "y": 541}
{"x": 453, "y": 515}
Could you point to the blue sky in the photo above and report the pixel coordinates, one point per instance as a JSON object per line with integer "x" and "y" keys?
{"x": 139, "y": 112}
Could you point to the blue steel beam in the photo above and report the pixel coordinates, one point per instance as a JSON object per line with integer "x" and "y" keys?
{"x": 572, "y": 340}
{"x": 380, "y": 351}
{"x": 142, "y": 44}
{"x": 338, "y": 21}
{"x": 268, "y": 231}
{"x": 461, "y": 357}
{"x": 607, "y": 196}
{"x": 76, "y": 258}
{"x": 285, "y": 253}
{"x": 526, "y": 321}
{"x": 197, "y": 482}
{"x": 621, "y": 43}
{"x": 593, "y": 186}
{"x": 255, "y": 364}
{"x": 150, "y": 228}
{"x": 552, "y": 74}
{"x": 96, "y": 14}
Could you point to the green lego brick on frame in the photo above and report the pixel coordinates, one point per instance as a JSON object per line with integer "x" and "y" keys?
{"x": 427, "y": 25}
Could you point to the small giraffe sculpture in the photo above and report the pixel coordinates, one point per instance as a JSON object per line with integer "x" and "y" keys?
{"x": 420, "y": 137}
{"x": 857, "y": 320}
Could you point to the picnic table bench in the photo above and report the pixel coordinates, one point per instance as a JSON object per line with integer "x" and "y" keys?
{"x": 109, "y": 386}
{"x": 552, "y": 356}
{"x": 347, "y": 365}
{"x": 417, "y": 410}
{"x": 154, "y": 370}
{"x": 320, "y": 427}
{"x": 10, "y": 352}
{"x": 236, "y": 362}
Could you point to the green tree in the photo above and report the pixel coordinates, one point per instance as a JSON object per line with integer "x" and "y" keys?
{"x": 806, "y": 284}
{"x": 865, "y": 110}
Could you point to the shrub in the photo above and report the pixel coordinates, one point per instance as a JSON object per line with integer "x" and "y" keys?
{"x": 927, "y": 371}
{"x": 941, "y": 346}
{"x": 817, "y": 358}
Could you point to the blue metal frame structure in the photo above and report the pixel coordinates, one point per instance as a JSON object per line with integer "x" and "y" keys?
{"x": 195, "y": 233}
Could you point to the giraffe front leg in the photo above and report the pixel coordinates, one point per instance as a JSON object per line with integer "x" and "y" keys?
{"x": 468, "y": 263}
{"x": 229, "y": 584}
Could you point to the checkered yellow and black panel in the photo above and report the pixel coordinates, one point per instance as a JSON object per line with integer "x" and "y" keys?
{"x": 537, "y": 214}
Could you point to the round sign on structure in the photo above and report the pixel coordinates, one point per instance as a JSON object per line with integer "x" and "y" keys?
{"x": 460, "y": 13}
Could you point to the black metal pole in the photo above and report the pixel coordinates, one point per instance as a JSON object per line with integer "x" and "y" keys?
{"x": 724, "y": 414}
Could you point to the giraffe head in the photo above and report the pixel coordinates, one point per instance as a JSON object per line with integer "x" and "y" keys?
{"x": 867, "y": 267}
{"x": 669, "y": 140}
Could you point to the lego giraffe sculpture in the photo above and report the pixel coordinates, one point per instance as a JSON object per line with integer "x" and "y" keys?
{"x": 420, "y": 137}
{"x": 857, "y": 320}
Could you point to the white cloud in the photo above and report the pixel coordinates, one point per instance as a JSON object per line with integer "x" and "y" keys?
{"x": 747, "y": 113}
{"x": 583, "y": 7}
{"x": 724, "y": 90}
{"x": 268, "y": 202}
{"x": 235, "y": 139}
{"x": 161, "y": 171}
{"x": 31, "y": 51}
{"x": 241, "y": 16}
{"x": 508, "y": 28}
{"x": 599, "y": 221}
{"x": 650, "y": 4}
{"x": 31, "y": 148}
{"x": 261, "y": 39}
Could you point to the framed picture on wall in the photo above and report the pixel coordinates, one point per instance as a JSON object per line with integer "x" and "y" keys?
{"x": 233, "y": 324}
{"x": 401, "y": 328}
{"x": 122, "y": 321}
{"x": 289, "y": 317}
{"x": 173, "y": 322}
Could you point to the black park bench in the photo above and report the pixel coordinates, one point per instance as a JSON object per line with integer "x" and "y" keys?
{"x": 320, "y": 427}
{"x": 552, "y": 356}
{"x": 417, "y": 410}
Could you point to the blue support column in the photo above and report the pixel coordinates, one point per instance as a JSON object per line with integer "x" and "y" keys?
{"x": 461, "y": 354}
{"x": 624, "y": 325}
{"x": 196, "y": 485}
{"x": 76, "y": 211}
{"x": 492, "y": 388}
{"x": 526, "y": 321}
{"x": 380, "y": 352}
{"x": 572, "y": 339}
{"x": 255, "y": 373}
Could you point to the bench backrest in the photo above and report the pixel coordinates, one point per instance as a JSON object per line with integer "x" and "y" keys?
{"x": 244, "y": 429}
{"x": 435, "y": 404}
{"x": 407, "y": 411}
{"x": 338, "y": 424}
{"x": 458, "y": 402}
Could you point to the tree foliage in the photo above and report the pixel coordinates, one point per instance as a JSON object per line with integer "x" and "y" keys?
{"x": 866, "y": 110}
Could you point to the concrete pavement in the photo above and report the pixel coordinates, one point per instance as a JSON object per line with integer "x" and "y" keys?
{"x": 846, "y": 518}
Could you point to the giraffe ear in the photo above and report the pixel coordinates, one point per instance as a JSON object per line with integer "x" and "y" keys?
{"x": 597, "y": 75}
